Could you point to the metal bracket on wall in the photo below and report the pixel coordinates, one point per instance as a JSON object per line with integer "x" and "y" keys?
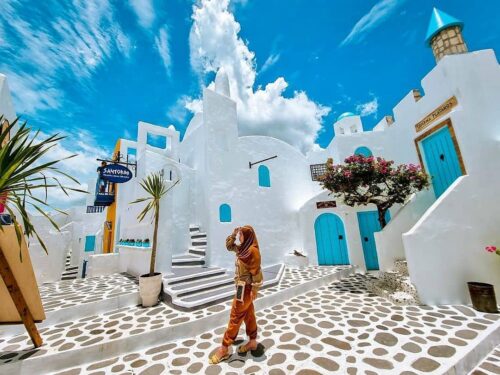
{"x": 250, "y": 164}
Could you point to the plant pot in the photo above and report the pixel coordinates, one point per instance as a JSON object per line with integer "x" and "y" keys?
{"x": 482, "y": 296}
{"x": 150, "y": 288}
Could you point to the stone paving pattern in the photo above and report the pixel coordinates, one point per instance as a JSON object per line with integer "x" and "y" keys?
{"x": 490, "y": 365}
{"x": 341, "y": 328}
{"x": 131, "y": 320}
{"x": 68, "y": 293}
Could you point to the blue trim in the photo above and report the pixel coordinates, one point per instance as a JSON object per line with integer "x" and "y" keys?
{"x": 264, "y": 177}
{"x": 331, "y": 242}
{"x": 439, "y": 21}
{"x": 363, "y": 151}
{"x": 225, "y": 213}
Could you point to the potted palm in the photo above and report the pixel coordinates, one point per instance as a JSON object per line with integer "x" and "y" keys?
{"x": 27, "y": 174}
{"x": 156, "y": 188}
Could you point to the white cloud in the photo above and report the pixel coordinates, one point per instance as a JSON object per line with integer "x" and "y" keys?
{"x": 270, "y": 61}
{"x": 378, "y": 14}
{"x": 214, "y": 43}
{"x": 145, "y": 12}
{"x": 72, "y": 41}
{"x": 163, "y": 47}
{"x": 368, "y": 108}
{"x": 179, "y": 111}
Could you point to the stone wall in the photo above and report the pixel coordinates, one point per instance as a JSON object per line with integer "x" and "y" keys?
{"x": 448, "y": 42}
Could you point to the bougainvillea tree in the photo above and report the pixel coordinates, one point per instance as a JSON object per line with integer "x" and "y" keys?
{"x": 373, "y": 180}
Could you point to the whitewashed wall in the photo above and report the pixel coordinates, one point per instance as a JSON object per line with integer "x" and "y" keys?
{"x": 446, "y": 246}
{"x": 389, "y": 240}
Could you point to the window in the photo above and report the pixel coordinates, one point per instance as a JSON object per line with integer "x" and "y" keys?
{"x": 159, "y": 141}
{"x": 132, "y": 154}
{"x": 363, "y": 151}
{"x": 264, "y": 178}
{"x": 225, "y": 213}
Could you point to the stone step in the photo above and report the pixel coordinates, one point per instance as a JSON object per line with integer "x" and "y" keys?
{"x": 401, "y": 266}
{"x": 403, "y": 297}
{"x": 198, "y": 243}
{"x": 209, "y": 282}
{"x": 194, "y": 228}
{"x": 184, "y": 274}
{"x": 198, "y": 235}
{"x": 196, "y": 251}
{"x": 187, "y": 259}
{"x": 272, "y": 275}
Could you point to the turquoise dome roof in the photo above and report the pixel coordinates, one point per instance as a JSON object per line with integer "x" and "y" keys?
{"x": 344, "y": 115}
{"x": 439, "y": 21}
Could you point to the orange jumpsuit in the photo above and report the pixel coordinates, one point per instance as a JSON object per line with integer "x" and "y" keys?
{"x": 249, "y": 271}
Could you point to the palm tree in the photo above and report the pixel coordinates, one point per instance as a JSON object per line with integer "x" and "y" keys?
{"x": 27, "y": 174}
{"x": 156, "y": 187}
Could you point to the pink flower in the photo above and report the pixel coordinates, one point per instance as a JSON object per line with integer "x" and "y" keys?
{"x": 491, "y": 249}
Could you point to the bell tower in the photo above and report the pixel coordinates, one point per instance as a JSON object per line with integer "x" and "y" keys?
{"x": 444, "y": 35}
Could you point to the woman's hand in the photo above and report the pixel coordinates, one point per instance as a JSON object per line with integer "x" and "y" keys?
{"x": 236, "y": 230}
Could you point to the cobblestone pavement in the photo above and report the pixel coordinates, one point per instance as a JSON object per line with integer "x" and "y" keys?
{"x": 341, "y": 328}
{"x": 490, "y": 365}
{"x": 129, "y": 321}
{"x": 67, "y": 293}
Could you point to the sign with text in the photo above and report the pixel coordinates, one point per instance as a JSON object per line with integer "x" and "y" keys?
{"x": 326, "y": 204}
{"x": 116, "y": 173}
{"x": 440, "y": 111}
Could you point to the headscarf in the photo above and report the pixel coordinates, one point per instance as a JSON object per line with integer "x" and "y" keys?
{"x": 249, "y": 242}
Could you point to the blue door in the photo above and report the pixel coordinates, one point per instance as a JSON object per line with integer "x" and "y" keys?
{"x": 441, "y": 160}
{"x": 89, "y": 243}
{"x": 368, "y": 225}
{"x": 330, "y": 240}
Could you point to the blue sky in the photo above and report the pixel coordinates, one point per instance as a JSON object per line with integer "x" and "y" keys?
{"x": 94, "y": 68}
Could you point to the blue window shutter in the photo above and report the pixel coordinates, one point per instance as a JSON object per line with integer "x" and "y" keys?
{"x": 264, "y": 177}
{"x": 363, "y": 151}
{"x": 225, "y": 213}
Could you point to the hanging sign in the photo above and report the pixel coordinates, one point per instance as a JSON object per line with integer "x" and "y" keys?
{"x": 442, "y": 110}
{"x": 116, "y": 173}
{"x": 326, "y": 204}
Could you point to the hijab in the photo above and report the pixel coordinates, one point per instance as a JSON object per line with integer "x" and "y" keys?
{"x": 249, "y": 241}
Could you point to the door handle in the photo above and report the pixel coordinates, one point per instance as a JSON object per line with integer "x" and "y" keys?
{"x": 341, "y": 237}
{"x": 441, "y": 157}
{"x": 366, "y": 239}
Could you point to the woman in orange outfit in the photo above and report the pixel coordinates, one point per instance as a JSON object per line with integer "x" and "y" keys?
{"x": 248, "y": 274}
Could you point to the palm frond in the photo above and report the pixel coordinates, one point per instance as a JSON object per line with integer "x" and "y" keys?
{"x": 25, "y": 168}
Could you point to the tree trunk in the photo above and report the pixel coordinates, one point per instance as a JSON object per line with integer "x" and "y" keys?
{"x": 381, "y": 216}
{"x": 155, "y": 241}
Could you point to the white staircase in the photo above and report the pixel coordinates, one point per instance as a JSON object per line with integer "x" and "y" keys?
{"x": 395, "y": 285}
{"x": 70, "y": 272}
{"x": 194, "y": 285}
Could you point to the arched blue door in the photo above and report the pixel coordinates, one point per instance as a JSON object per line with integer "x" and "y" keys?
{"x": 363, "y": 151}
{"x": 330, "y": 240}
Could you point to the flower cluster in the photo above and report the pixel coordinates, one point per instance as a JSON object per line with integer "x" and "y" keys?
{"x": 363, "y": 180}
{"x": 492, "y": 249}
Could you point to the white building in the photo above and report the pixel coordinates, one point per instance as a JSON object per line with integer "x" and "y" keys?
{"x": 451, "y": 129}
